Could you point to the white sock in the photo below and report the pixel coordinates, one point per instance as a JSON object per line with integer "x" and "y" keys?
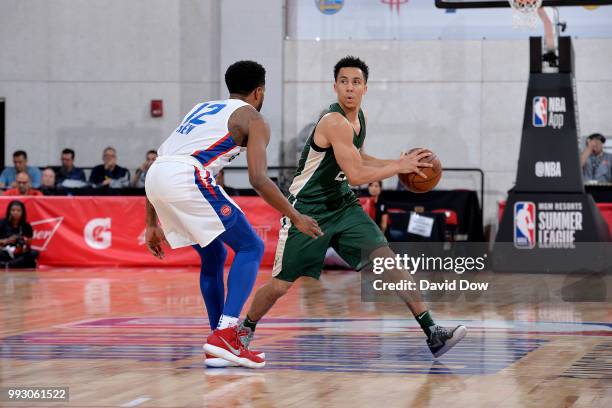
{"x": 227, "y": 321}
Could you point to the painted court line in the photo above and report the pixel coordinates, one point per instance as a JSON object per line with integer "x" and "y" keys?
{"x": 136, "y": 402}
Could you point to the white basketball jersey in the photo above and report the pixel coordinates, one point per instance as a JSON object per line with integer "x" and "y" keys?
{"x": 204, "y": 135}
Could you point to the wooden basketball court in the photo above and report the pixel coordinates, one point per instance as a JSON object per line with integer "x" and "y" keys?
{"x": 133, "y": 337}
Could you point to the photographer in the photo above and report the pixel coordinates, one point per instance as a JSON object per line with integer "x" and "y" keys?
{"x": 15, "y": 238}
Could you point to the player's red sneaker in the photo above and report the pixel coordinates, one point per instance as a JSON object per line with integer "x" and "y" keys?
{"x": 212, "y": 361}
{"x": 226, "y": 344}
{"x": 216, "y": 362}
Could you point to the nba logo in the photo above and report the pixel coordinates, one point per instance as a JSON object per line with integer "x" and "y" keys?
{"x": 540, "y": 111}
{"x": 524, "y": 224}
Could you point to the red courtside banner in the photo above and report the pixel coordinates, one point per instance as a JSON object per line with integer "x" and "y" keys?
{"x": 109, "y": 231}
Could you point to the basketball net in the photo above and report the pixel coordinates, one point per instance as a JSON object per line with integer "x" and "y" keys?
{"x": 524, "y": 13}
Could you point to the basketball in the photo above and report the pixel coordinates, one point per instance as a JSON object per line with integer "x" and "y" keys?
{"x": 417, "y": 184}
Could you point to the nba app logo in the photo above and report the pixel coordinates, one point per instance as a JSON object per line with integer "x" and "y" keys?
{"x": 524, "y": 224}
{"x": 540, "y": 111}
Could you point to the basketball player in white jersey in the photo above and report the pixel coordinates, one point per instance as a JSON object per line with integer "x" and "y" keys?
{"x": 194, "y": 210}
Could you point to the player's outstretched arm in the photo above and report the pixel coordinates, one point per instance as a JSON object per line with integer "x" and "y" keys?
{"x": 335, "y": 130}
{"x": 258, "y": 138}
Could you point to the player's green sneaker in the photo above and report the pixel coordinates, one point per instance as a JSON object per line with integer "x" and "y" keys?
{"x": 443, "y": 339}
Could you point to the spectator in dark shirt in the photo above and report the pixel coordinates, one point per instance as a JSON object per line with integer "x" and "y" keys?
{"x": 24, "y": 188}
{"x": 20, "y": 161}
{"x": 15, "y": 238}
{"x": 110, "y": 173}
{"x": 69, "y": 175}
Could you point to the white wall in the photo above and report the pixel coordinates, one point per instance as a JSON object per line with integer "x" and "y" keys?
{"x": 254, "y": 30}
{"x": 463, "y": 99}
{"x": 81, "y": 74}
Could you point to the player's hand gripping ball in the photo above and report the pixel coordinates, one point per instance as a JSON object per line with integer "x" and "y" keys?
{"x": 416, "y": 183}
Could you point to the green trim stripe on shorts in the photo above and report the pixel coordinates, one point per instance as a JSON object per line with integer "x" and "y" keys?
{"x": 283, "y": 233}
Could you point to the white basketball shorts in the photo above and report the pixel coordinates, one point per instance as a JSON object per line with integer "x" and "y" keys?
{"x": 191, "y": 207}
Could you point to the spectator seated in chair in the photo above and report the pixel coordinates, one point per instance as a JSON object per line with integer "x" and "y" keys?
{"x": 110, "y": 174}
{"x": 47, "y": 184}
{"x": 68, "y": 175}
{"x": 20, "y": 161}
{"x": 15, "y": 238}
{"x": 24, "y": 188}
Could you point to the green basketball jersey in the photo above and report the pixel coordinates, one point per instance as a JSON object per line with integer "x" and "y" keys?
{"x": 318, "y": 178}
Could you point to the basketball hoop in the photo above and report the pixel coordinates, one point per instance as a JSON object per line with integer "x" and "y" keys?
{"x": 524, "y": 13}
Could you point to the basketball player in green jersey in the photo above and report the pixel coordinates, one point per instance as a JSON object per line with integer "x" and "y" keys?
{"x": 331, "y": 160}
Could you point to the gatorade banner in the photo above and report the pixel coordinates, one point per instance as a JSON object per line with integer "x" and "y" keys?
{"x": 109, "y": 231}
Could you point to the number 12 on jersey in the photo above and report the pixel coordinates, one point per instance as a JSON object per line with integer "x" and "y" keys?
{"x": 195, "y": 118}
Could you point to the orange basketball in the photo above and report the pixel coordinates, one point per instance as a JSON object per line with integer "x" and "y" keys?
{"x": 417, "y": 184}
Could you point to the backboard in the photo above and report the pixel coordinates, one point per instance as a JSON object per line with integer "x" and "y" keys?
{"x": 459, "y": 4}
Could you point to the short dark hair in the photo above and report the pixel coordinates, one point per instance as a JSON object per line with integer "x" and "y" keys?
{"x": 68, "y": 151}
{"x": 243, "y": 77}
{"x": 599, "y": 136}
{"x": 351, "y": 62}
{"x": 20, "y": 153}
{"x": 151, "y": 151}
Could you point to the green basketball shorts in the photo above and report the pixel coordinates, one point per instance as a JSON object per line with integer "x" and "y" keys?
{"x": 347, "y": 228}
